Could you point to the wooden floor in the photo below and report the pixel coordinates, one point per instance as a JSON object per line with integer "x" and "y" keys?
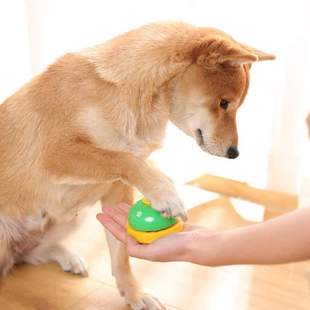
{"x": 178, "y": 285}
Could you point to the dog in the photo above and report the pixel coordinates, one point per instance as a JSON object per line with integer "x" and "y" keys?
{"x": 82, "y": 130}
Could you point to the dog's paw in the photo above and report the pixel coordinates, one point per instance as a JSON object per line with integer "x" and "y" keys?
{"x": 68, "y": 261}
{"x": 145, "y": 302}
{"x": 134, "y": 296}
{"x": 73, "y": 263}
{"x": 167, "y": 201}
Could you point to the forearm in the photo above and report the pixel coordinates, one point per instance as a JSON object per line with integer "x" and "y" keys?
{"x": 281, "y": 240}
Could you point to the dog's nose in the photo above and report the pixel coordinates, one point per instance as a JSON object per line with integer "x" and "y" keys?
{"x": 232, "y": 152}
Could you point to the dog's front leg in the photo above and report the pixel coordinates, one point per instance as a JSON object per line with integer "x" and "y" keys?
{"x": 84, "y": 163}
{"x": 126, "y": 282}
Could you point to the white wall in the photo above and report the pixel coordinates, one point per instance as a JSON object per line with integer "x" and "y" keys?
{"x": 14, "y": 47}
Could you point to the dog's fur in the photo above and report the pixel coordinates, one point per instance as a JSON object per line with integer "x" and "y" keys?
{"x": 308, "y": 123}
{"x": 81, "y": 131}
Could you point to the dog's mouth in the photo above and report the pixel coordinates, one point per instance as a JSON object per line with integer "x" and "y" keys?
{"x": 199, "y": 137}
{"x": 213, "y": 147}
{"x": 210, "y": 147}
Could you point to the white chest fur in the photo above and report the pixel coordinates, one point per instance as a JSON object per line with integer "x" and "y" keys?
{"x": 125, "y": 137}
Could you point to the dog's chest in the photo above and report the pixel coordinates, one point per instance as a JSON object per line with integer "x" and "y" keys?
{"x": 126, "y": 138}
{"x": 66, "y": 201}
{"x": 74, "y": 196}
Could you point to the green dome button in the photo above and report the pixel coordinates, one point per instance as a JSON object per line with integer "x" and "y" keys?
{"x": 143, "y": 217}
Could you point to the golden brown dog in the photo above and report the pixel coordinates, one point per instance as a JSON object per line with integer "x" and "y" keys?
{"x": 81, "y": 132}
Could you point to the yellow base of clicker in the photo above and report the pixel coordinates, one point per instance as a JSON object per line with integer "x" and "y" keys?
{"x": 147, "y": 237}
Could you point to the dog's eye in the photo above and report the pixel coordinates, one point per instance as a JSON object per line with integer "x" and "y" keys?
{"x": 224, "y": 104}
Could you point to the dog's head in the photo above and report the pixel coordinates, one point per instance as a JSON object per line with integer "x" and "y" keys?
{"x": 207, "y": 95}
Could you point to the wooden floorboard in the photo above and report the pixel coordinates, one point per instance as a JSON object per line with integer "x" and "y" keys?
{"x": 179, "y": 285}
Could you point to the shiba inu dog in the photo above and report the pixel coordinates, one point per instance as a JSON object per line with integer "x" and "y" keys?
{"x": 82, "y": 130}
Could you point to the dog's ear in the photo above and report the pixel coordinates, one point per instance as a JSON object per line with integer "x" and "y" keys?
{"x": 260, "y": 54}
{"x": 227, "y": 52}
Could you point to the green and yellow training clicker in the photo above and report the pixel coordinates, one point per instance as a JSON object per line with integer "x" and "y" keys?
{"x": 146, "y": 224}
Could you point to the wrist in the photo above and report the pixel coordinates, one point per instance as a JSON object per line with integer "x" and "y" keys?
{"x": 206, "y": 248}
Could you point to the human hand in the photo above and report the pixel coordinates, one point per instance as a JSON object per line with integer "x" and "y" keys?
{"x": 175, "y": 247}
